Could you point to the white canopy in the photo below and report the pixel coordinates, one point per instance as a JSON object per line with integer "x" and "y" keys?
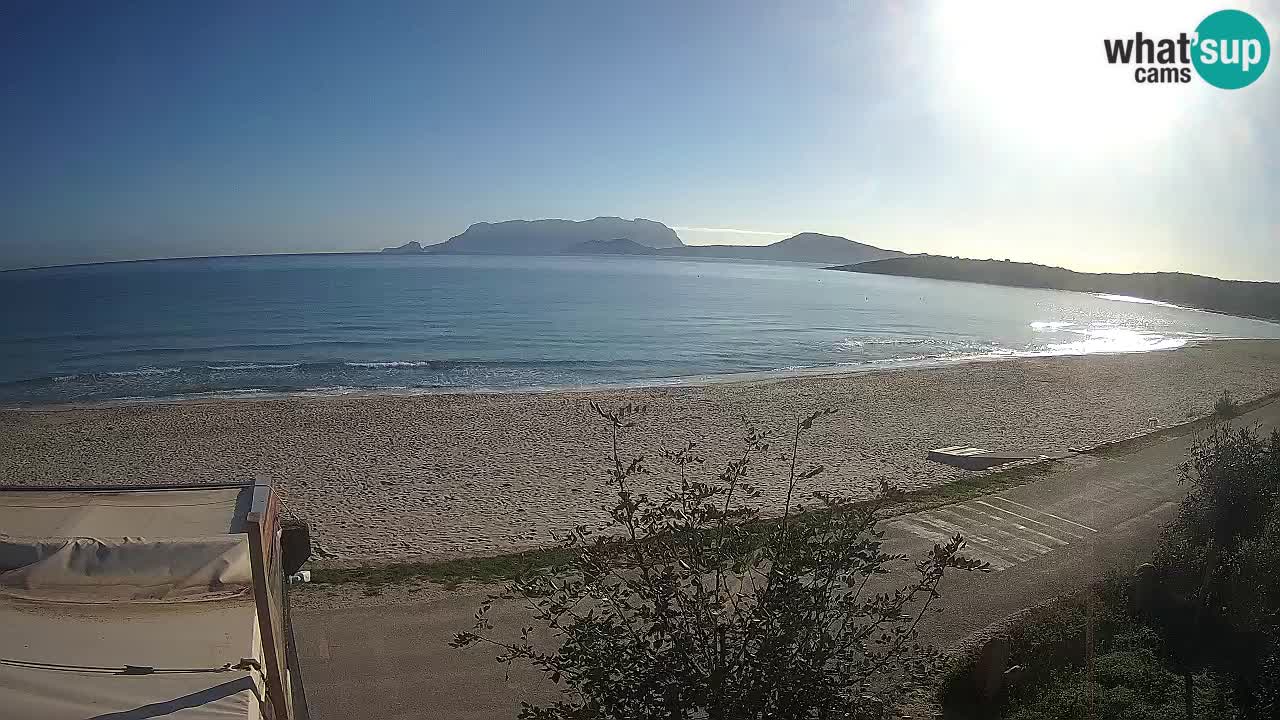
{"x": 128, "y": 604}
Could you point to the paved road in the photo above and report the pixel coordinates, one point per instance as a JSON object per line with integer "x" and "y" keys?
{"x": 1043, "y": 539}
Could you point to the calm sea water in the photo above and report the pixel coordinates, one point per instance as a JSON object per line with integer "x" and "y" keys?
{"x": 334, "y": 324}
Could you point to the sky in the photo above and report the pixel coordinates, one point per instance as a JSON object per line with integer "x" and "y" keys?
{"x": 165, "y": 129}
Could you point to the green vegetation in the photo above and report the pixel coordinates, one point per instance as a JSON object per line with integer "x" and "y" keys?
{"x": 686, "y": 606}
{"x": 1226, "y": 406}
{"x": 1130, "y": 681}
{"x": 497, "y": 568}
{"x": 1132, "y": 675}
{"x": 1043, "y": 643}
{"x": 1195, "y": 635}
{"x": 1217, "y": 586}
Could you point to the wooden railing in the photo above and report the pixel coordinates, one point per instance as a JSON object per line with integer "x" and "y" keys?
{"x": 263, "y": 527}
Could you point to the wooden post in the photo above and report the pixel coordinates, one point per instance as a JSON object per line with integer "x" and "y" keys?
{"x": 264, "y": 556}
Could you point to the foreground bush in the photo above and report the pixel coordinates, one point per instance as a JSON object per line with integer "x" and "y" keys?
{"x": 1046, "y": 643}
{"x": 1218, "y": 599}
{"x": 1133, "y": 681}
{"x": 1129, "y": 673}
{"x": 689, "y": 605}
{"x": 1198, "y": 636}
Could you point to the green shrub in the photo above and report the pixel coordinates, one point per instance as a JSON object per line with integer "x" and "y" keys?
{"x": 1218, "y": 585}
{"x": 1044, "y": 643}
{"x": 1226, "y": 406}
{"x": 1209, "y": 633}
{"x": 1131, "y": 682}
{"x": 687, "y": 606}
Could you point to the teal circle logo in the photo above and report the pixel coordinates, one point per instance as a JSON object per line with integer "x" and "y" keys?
{"x": 1232, "y": 49}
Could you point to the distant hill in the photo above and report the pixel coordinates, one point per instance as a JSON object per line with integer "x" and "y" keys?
{"x": 1234, "y": 297}
{"x": 551, "y": 237}
{"x": 409, "y": 248}
{"x": 616, "y": 246}
{"x": 805, "y": 247}
{"x": 615, "y": 236}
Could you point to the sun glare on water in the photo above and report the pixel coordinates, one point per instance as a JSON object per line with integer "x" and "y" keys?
{"x": 1071, "y": 338}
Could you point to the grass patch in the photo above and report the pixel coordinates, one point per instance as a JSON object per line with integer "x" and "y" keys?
{"x": 971, "y": 487}
{"x": 450, "y": 573}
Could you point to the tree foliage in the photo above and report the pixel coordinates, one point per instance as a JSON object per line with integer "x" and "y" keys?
{"x": 1219, "y": 605}
{"x": 690, "y": 605}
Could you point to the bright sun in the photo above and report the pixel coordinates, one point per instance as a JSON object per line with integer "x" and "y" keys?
{"x": 1034, "y": 74}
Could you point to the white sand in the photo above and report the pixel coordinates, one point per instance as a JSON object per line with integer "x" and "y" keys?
{"x": 428, "y": 477}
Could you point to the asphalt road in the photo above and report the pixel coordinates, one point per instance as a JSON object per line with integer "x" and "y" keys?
{"x": 1090, "y": 514}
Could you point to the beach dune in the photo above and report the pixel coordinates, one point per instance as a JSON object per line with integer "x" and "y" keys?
{"x": 386, "y": 478}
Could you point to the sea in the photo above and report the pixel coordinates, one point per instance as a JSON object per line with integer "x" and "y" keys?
{"x": 334, "y": 324}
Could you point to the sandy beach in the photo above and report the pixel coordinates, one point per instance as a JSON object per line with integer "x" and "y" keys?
{"x": 384, "y": 478}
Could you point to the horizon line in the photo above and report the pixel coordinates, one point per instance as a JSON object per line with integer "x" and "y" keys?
{"x": 381, "y": 253}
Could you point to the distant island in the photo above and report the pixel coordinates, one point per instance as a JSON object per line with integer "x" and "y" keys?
{"x": 616, "y": 236}
{"x": 1234, "y": 297}
{"x": 546, "y": 237}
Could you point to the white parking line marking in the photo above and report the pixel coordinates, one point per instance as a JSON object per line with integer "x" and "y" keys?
{"x": 986, "y": 543}
{"x": 1024, "y": 517}
{"x": 997, "y": 563}
{"x": 1055, "y": 517}
{"x": 1037, "y": 547}
{"x": 1020, "y": 526}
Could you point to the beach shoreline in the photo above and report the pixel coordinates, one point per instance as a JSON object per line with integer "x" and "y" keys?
{"x": 436, "y": 476}
{"x": 909, "y": 364}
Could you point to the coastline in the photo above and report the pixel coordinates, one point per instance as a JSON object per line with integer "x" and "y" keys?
{"x": 390, "y": 478}
{"x": 970, "y": 271}
{"x": 907, "y": 364}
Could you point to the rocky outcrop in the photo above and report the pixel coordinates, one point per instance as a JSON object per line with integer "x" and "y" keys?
{"x": 409, "y": 248}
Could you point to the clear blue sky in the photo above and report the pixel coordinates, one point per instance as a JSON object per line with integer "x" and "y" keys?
{"x": 149, "y": 129}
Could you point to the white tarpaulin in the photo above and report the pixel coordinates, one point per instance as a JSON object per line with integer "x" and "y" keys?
{"x": 128, "y": 662}
{"x": 99, "y": 570}
{"x": 153, "y": 514}
{"x": 127, "y": 605}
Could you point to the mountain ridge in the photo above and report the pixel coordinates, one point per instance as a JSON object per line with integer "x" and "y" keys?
{"x": 801, "y": 247}
{"x": 616, "y": 236}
